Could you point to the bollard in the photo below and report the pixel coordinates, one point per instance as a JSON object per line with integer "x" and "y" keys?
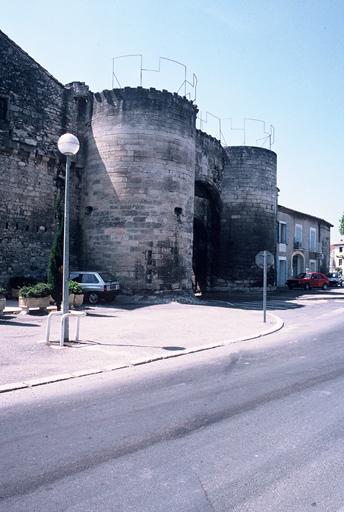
{"x": 78, "y": 314}
{"x": 47, "y": 333}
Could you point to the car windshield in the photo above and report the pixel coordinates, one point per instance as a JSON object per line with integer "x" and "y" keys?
{"x": 332, "y": 274}
{"x": 107, "y": 277}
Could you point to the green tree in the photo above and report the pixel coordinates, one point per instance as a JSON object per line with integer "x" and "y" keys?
{"x": 341, "y": 225}
{"x": 56, "y": 258}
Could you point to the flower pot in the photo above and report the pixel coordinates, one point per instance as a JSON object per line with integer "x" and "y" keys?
{"x": 76, "y": 300}
{"x": 34, "y": 302}
{"x": 2, "y": 304}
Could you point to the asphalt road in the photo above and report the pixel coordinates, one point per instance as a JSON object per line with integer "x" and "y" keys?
{"x": 257, "y": 426}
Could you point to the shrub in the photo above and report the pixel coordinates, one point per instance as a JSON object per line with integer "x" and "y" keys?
{"x": 56, "y": 257}
{"x": 75, "y": 288}
{"x": 37, "y": 290}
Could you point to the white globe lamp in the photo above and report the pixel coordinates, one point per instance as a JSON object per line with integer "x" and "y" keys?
{"x": 68, "y": 144}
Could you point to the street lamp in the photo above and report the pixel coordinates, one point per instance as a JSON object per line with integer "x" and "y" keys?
{"x": 68, "y": 145}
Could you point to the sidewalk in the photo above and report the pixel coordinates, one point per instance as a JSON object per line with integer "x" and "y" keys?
{"x": 119, "y": 336}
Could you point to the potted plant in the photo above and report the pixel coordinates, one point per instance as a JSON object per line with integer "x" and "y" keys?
{"x": 76, "y": 294}
{"x": 18, "y": 282}
{"x": 2, "y": 299}
{"x": 35, "y": 296}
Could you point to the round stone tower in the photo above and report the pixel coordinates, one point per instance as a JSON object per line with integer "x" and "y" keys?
{"x": 137, "y": 196}
{"x": 248, "y": 225}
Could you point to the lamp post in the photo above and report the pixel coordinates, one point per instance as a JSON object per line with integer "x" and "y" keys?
{"x": 68, "y": 145}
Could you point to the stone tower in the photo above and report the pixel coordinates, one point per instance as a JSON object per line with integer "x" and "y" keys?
{"x": 248, "y": 225}
{"x": 137, "y": 200}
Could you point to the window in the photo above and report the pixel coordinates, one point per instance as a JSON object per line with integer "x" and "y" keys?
{"x": 340, "y": 249}
{"x": 298, "y": 236}
{"x": 3, "y": 108}
{"x": 312, "y": 239}
{"x": 312, "y": 265}
{"x": 74, "y": 276}
{"x": 89, "y": 278}
{"x": 298, "y": 233}
{"x": 282, "y": 232}
{"x": 340, "y": 261}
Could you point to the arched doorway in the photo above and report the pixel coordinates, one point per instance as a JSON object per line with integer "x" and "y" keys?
{"x": 205, "y": 235}
{"x": 297, "y": 263}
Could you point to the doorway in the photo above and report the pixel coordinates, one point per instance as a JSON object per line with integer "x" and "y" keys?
{"x": 282, "y": 272}
{"x": 298, "y": 264}
{"x": 200, "y": 256}
{"x": 206, "y": 235}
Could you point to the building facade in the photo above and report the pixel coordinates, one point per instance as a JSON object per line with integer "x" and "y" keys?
{"x": 162, "y": 205}
{"x": 337, "y": 256}
{"x": 303, "y": 243}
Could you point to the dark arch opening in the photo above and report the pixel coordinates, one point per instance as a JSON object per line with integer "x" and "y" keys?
{"x": 206, "y": 235}
{"x": 200, "y": 256}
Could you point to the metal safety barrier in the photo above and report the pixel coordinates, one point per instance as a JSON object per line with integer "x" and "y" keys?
{"x": 77, "y": 314}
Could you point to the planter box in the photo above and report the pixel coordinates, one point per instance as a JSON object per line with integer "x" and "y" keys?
{"x": 76, "y": 300}
{"x": 2, "y": 304}
{"x": 34, "y": 302}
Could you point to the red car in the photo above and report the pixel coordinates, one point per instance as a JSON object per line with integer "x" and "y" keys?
{"x": 308, "y": 280}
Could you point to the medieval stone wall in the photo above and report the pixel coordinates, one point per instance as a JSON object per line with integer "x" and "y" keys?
{"x": 149, "y": 190}
{"x": 209, "y": 160}
{"x": 37, "y": 110}
{"x": 27, "y": 215}
{"x": 210, "y": 157}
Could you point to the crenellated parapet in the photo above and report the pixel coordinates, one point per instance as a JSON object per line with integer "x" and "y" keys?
{"x": 146, "y": 107}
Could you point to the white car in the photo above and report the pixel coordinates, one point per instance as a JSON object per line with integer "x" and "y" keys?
{"x": 96, "y": 285}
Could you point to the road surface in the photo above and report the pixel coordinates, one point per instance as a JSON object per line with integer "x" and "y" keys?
{"x": 256, "y": 426}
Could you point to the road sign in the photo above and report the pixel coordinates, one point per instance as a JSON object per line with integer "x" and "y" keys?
{"x": 260, "y": 259}
{"x": 264, "y": 260}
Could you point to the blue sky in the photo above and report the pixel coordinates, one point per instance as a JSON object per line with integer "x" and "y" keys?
{"x": 280, "y": 61}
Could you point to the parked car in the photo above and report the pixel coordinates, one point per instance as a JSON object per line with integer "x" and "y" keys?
{"x": 96, "y": 285}
{"x": 335, "y": 279}
{"x": 308, "y": 280}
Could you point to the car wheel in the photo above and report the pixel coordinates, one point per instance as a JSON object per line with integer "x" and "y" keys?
{"x": 307, "y": 286}
{"x": 325, "y": 286}
{"x": 93, "y": 298}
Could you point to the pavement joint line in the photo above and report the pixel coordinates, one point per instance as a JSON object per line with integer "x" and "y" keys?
{"x": 114, "y": 367}
{"x": 85, "y": 373}
{"x": 5, "y": 388}
{"x": 47, "y": 380}
{"x": 90, "y": 371}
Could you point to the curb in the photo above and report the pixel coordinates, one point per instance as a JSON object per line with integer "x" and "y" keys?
{"x": 30, "y": 383}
